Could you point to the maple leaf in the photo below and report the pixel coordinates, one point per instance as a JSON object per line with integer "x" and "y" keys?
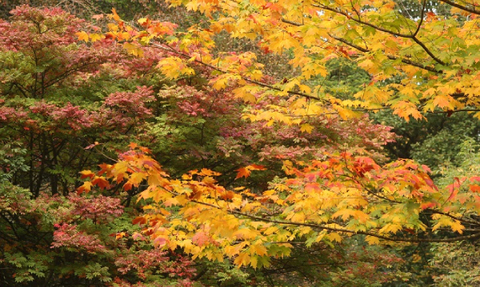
{"x": 101, "y": 182}
{"x": 82, "y": 36}
{"x": 243, "y": 172}
{"x": 246, "y": 171}
{"x": 200, "y": 238}
{"x": 85, "y": 187}
{"x": 306, "y": 128}
{"x": 87, "y": 174}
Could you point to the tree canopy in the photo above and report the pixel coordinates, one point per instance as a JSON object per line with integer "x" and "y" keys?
{"x": 231, "y": 135}
{"x": 416, "y": 64}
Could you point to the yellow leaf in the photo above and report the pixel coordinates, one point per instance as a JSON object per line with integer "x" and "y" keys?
{"x": 243, "y": 259}
{"x": 82, "y": 36}
{"x": 245, "y": 233}
{"x": 234, "y": 249}
{"x": 306, "y": 128}
{"x": 258, "y": 249}
{"x": 271, "y": 230}
{"x": 136, "y": 178}
{"x": 334, "y": 237}
{"x": 372, "y": 240}
{"x": 96, "y": 37}
{"x": 133, "y": 49}
{"x": 220, "y": 83}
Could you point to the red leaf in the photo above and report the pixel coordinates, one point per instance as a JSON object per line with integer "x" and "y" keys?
{"x": 312, "y": 187}
{"x": 160, "y": 241}
{"x": 475, "y": 178}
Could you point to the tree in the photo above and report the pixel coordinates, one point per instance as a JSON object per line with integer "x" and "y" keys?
{"x": 433, "y": 57}
{"x": 415, "y": 65}
{"x": 58, "y": 97}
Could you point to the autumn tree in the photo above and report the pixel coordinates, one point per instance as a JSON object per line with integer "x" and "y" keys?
{"x": 57, "y": 96}
{"x": 415, "y": 65}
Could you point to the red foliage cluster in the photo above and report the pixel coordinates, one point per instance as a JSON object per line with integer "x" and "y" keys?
{"x": 132, "y": 102}
{"x": 100, "y": 209}
{"x": 69, "y": 236}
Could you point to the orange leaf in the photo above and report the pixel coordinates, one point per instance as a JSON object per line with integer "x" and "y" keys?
{"x": 86, "y": 187}
{"x": 227, "y": 195}
{"x": 101, "y": 182}
{"x": 82, "y": 36}
{"x": 139, "y": 220}
{"x": 243, "y": 172}
{"x": 474, "y": 188}
{"x": 115, "y": 15}
{"x": 256, "y": 167}
{"x": 132, "y": 145}
{"x": 87, "y": 174}
{"x": 246, "y": 171}
{"x": 200, "y": 238}
{"x": 426, "y": 205}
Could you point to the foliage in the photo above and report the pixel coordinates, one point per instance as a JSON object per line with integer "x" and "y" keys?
{"x": 396, "y": 201}
{"x": 327, "y": 200}
{"x": 55, "y": 101}
{"x": 258, "y": 166}
{"x": 59, "y": 241}
{"x": 370, "y": 33}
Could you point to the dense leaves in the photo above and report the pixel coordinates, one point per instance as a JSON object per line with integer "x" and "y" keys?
{"x": 251, "y": 156}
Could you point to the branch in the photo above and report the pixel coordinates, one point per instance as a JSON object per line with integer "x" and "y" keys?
{"x": 166, "y": 47}
{"x": 393, "y": 58}
{"x": 342, "y": 230}
{"x": 366, "y": 50}
{"x": 407, "y": 36}
{"x": 422, "y": 14}
{"x": 451, "y": 3}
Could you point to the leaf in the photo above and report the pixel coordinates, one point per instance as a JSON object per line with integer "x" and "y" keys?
{"x": 372, "y": 240}
{"x": 115, "y": 16}
{"x": 306, "y": 128}
{"x": 133, "y": 49}
{"x": 137, "y": 177}
{"x": 101, "y": 182}
{"x": 82, "y": 36}
{"x": 243, "y": 259}
{"x": 139, "y": 220}
{"x": 85, "y": 187}
{"x": 443, "y": 101}
{"x": 87, "y": 174}
{"x": 200, "y": 238}
{"x": 246, "y": 171}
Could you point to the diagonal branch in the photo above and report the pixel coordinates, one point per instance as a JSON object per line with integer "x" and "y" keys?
{"x": 342, "y": 230}
{"x": 366, "y": 50}
{"x": 464, "y": 8}
{"x": 407, "y": 36}
{"x": 166, "y": 47}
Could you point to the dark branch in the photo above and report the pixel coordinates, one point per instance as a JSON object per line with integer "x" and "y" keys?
{"x": 451, "y": 3}
{"x": 407, "y": 36}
